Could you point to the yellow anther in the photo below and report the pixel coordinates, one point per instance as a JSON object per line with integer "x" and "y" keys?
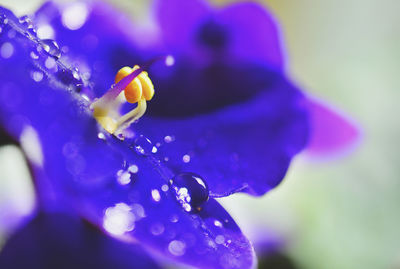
{"x": 107, "y": 110}
{"x": 139, "y": 87}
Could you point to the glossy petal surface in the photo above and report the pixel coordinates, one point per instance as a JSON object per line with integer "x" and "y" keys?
{"x": 85, "y": 167}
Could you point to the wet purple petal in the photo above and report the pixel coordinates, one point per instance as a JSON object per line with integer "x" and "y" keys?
{"x": 125, "y": 191}
{"x": 249, "y": 120}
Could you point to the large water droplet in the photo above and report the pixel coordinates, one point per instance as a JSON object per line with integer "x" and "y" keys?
{"x": 143, "y": 145}
{"x": 51, "y": 47}
{"x": 191, "y": 191}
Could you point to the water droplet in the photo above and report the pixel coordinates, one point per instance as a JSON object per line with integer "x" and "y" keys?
{"x": 169, "y": 60}
{"x": 191, "y": 191}
{"x": 37, "y": 76}
{"x": 26, "y": 21}
{"x": 164, "y": 187}
{"x": 133, "y": 169}
{"x": 34, "y": 55}
{"x": 123, "y": 177}
{"x": 51, "y": 47}
{"x": 220, "y": 239}
{"x": 50, "y": 63}
{"x": 157, "y": 228}
{"x": 119, "y": 219}
{"x": 169, "y": 139}
{"x": 155, "y": 194}
{"x": 144, "y": 146}
{"x": 186, "y": 158}
{"x": 177, "y": 248}
{"x": 6, "y": 50}
{"x": 3, "y": 20}
{"x": 174, "y": 218}
{"x": 217, "y": 223}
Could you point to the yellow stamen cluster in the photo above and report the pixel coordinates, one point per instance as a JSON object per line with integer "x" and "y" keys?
{"x": 140, "y": 87}
{"x": 139, "y": 90}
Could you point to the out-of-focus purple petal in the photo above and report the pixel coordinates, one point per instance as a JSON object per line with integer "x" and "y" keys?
{"x": 254, "y": 33}
{"x": 178, "y": 20}
{"x": 331, "y": 131}
{"x": 63, "y": 241}
{"x": 85, "y": 165}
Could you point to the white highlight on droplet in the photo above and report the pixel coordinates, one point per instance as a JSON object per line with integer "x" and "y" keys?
{"x": 217, "y": 223}
{"x": 186, "y": 158}
{"x": 7, "y": 50}
{"x": 119, "y": 219}
{"x": 31, "y": 145}
{"x": 177, "y": 248}
{"x": 156, "y": 195}
{"x": 75, "y": 15}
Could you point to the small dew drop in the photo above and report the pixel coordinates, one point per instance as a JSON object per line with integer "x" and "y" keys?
{"x": 50, "y": 63}
{"x": 138, "y": 210}
{"x": 51, "y": 47}
{"x": 143, "y": 146}
{"x": 219, "y": 239}
{"x": 157, "y": 229}
{"x": 169, "y": 60}
{"x": 217, "y": 223}
{"x": 26, "y": 21}
{"x": 119, "y": 219}
{"x": 75, "y": 15}
{"x": 34, "y": 55}
{"x": 133, "y": 169}
{"x": 37, "y": 76}
{"x": 101, "y": 136}
{"x": 174, "y": 218}
{"x": 169, "y": 139}
{"x": 177, "y": 248}
{"x": 7, "y": 50}
{"x": 164, "y": 187}
{"x": 3, "y": 20}
{"x": 45, "y": 32}
{"x": 155, "y": 194}
{"x": 123, "y": 177}
{"x": 186, "y": 158}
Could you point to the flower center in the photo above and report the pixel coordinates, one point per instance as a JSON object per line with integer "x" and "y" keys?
{"x": 133, "y": 85}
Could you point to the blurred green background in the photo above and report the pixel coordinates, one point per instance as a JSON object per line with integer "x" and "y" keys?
{"x": 342, "y": 212}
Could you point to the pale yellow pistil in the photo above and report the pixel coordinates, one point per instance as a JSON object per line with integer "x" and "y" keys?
{"x": 139, "y": 90}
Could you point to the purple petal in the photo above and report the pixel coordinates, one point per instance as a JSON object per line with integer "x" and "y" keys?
{"x": 178, "y": 19}
{"x": 244, "y": 147}
{"x": 331, "y": 132}
{"x": 84, "y": 168}
{"x": 62, "y": 241}
{"x": 99, "y": 52}
{"x": 254, "y": 32}
{"x": 243, "y": 140}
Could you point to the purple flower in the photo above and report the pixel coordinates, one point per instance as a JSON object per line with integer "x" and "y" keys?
{"x": 224, "y": 119}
